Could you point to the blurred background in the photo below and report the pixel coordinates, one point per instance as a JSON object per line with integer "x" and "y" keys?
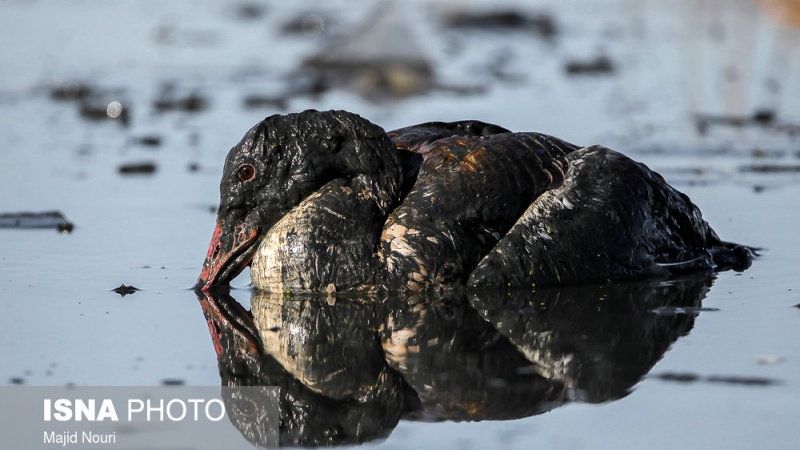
{"x": 119, "y": 116}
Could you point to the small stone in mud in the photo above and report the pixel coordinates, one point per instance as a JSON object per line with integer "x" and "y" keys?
{"x": 16, "y": 380}
{"x": 600, "y": 65}
{"x": 193, "y": 167}
{"x": 173, "y": 382}
{"x": 124, "y": 290}
{"x": 143, "y": 168}
{"x": 49, "y": 219}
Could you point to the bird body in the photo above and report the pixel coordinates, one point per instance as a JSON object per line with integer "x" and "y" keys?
{"x": 327, "y": 201}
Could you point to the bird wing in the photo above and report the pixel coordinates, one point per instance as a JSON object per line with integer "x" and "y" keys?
{"x": 472, "y": 183}
{"x": 612, "y": 218}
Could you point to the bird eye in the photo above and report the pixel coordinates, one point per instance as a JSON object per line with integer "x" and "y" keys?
{"x": 247, "y": 172}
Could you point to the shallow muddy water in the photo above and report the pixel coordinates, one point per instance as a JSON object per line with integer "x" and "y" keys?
{"x": 119, "y": 115}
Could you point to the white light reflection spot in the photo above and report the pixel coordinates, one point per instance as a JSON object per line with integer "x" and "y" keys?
{"x": 114, "y": 109}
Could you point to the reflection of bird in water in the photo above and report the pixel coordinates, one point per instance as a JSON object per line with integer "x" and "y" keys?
{"x": 350, "y": 368}
{"x": 329, "y": 410}
{"x": 598, "y": 340}
{"x": 329, "y": 201}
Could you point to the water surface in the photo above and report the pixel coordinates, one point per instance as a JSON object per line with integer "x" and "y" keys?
{"x": 119, "y": 116}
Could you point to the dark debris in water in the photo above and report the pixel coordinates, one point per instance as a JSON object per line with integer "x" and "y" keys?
{"x": 599, "y": 65}
{"x": 148, "y": 141}
{"x": 250, "y": 11}
{"x": 140, "y": 168}
{"x": 306, "y": 24}
{"x": 746, "y": 381}
{"x": 763, "y": 118}
{"x": 670, "y": 311}
{"x": 27, "y": 220}
{"x": 65, "y": 227}
{"x": 762, "y": 153}
{"x": 733, "y": 380}
{"x": 759, "y": 117}
{"x": 70, "y": 91}
{"x": 253, "y": 101}
{"x": 105, "y": 108}
{"x": 124, "y": 290}
{"x": 168, "y": 101}
{"x": 771, "y": 168}
{"x": 678, "y": 377}
{"x": 502, "y": 20}
{"x": 172, "y": 35}
{"x": 94, "y": 103}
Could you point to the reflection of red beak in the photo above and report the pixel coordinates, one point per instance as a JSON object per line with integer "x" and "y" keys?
{"x": 231, "y": 326}
{"x": 221, "y": 266}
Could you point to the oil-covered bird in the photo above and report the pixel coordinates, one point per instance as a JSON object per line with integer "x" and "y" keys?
{"x": 328, "y": 201}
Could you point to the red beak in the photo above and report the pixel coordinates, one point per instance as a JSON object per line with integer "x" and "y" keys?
{"x": 221, "y": 266}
